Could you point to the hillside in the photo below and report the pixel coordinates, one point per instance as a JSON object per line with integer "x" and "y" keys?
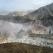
{"x": 41, "y": 20}
{"x": 23, "y": 48}
{"x": 44, "y": 14}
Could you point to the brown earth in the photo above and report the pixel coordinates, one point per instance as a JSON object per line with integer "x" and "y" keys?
{"x": 23, "y": 48}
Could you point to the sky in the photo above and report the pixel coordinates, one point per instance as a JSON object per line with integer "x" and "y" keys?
{"x": 22, "y": 5}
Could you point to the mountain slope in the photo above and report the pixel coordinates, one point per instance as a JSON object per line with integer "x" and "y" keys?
{"x": 44, "y": 14}
{"x": 23, "y": 48}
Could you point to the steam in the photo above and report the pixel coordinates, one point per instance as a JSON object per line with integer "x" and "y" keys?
{"x": 17, "y": 32}
{"x": 12, "y": 31}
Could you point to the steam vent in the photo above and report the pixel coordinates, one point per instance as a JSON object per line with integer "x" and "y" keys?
{"x": 26, "y": 26}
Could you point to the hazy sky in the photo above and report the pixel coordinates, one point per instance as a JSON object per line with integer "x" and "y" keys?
{"x": 22, "y": 4}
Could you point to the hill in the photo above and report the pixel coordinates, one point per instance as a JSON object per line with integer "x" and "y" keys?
{"x": 44, "y": 14}
{"x": 23, "y": 48}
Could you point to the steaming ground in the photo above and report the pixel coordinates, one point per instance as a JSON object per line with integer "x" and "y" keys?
{"x": 17, "y": 32}
{"x": 12, "y": 31}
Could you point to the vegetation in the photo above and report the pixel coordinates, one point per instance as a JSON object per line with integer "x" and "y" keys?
{"x": 23, "y": 48}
